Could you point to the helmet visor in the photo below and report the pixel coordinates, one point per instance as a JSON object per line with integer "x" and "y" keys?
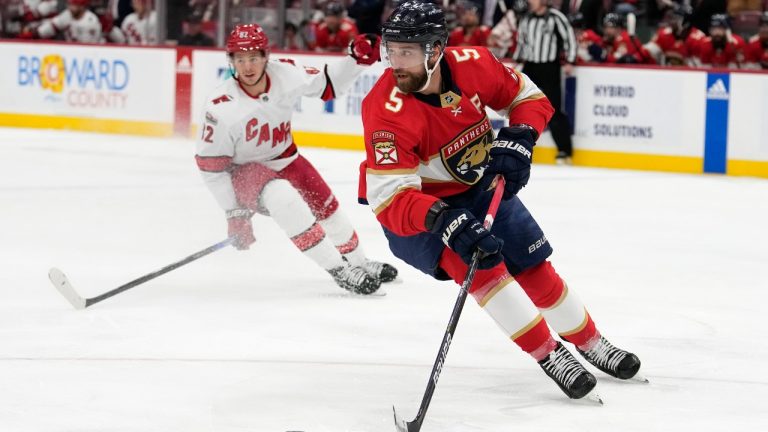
{"x": 402, "y": 55}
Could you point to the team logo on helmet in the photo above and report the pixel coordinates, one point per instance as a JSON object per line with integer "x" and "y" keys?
{"x": 384, "y": 147}
{"x": 467, "y": 155}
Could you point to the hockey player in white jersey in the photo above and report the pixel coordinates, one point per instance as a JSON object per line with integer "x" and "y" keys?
{"x": 140, "y": 27}
{"x": 76, "y": 22}
{"x": 250, "y": 162}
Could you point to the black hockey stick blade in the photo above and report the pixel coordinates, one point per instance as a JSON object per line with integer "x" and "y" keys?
{"x": 404, "y": 426}
{"x": 61, "y": 282}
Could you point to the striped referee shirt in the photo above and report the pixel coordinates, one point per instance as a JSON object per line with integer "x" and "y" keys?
{"x": 540, "y": 38}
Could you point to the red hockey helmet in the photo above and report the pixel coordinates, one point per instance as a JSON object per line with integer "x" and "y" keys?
{"x": 83, "y": 3}
{"x": 247, "y": 37}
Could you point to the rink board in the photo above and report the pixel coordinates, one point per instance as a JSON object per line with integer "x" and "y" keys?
{"x": 691, "y": 121}
{"x": 89, "y": 88}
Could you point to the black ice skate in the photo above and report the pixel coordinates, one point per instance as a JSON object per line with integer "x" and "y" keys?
{"x": 575, "y": 381}
{"x": 381, "y": 271}
{"x": 613, "y": 361}
{"x": 355, "y": 279}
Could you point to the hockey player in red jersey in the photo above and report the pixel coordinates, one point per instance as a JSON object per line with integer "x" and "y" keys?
{"x": 335, "y": 32}
{"x": 590, "y": 45}
{"x": 679, "y": 43}
{"x": 470, "y": 32}
{"x": 757, "y": 50}
{"x": 251, "y": 164}
{"x": 620, "y": 47}
{"x": 430, "y": 158}
{"x": 719, "y": 49}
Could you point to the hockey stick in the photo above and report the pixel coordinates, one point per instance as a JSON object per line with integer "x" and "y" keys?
{"x": 415, "y": 424}
{"x": 60, "y": 281}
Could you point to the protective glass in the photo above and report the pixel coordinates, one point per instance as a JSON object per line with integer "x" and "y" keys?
{"x": 401, "y": 55}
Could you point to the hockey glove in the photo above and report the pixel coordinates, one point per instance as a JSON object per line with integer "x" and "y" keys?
{"x": 463, "y": 233}
{"x": 365, "y": 48}
{"x": 239, "y": 221}
{"x": 510, "y": 153}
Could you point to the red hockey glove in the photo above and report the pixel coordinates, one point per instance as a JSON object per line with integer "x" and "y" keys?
{"x": 365, "y": 48}
{"x": 240, "y": 228}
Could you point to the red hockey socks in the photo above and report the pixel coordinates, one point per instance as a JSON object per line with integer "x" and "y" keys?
{"x": 561, "y": 307}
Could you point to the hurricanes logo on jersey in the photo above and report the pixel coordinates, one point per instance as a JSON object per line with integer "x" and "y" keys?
{"x": 467, "y": 155}
{"x": 384, "y": 147}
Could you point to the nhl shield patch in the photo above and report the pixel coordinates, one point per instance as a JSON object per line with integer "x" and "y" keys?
{"x": 384, "y": 147}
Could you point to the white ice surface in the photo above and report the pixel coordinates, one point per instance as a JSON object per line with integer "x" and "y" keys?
{"x": 671, "y": 266}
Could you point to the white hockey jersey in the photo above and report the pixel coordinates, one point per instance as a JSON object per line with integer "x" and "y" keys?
{"x": 238, "y": 128}
{"x": 140, "y": 31}
{"x": 86, "y": 29}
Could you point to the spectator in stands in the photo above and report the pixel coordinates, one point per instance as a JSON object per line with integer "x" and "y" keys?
{"x": 335, "y": 32}
{"x": 620, "y": 47}
{"x": 194, "y": 35}
{"x": 757, "y": 49}
{"x": 367, "y": 15}
{"x": 76, "y": 23}
{"x": 503, "y": 38}
{"x": 589, "y": 44}
{"x": 469, "y": 32}
{"x": 718, "y": 49}
{"x": 678, "y": 43}
{"x": 140, "y": 27}
{"x": 292, "y": 41}
{"x": 110, "y": 32}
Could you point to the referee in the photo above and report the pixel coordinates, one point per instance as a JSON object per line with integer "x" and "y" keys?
{"x": 543, "y": 34}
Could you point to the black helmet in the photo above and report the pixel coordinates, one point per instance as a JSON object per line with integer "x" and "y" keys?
{"x": 719, "y": 20}
{"x": 333, "y": 8}
{"x": 683, "y": 10}
{"x": 577, "y": 21}
{"x": 416, "y": 21}
{"x": 613, "y": 20}
{"x": 520, "y": 7}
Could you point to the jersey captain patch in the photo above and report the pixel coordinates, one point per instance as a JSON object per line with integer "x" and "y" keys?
{"x": 384, "y": 147}
{"x": 467, "y": 155}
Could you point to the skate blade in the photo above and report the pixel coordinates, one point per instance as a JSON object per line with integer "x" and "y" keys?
{"x": 640, "y": 378}
{"x": 593, "y": 397}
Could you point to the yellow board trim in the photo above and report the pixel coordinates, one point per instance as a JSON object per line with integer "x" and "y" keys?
{"x": 747, "y": 168}
{"x": 129, "y": 127}
{"x": 636, "y": 161}
{"x": 319, "y": 139}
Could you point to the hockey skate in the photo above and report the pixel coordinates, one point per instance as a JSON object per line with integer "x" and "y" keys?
{"x": 613, "y": 361}
{"x": 575, "y": 381}
{"x": 355, "y": 279}
{"x": 381, "y": 271}
{"x": 562, "y": 158}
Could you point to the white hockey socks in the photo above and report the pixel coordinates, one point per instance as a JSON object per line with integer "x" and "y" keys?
{"x": 516, "y": 316}
{"x": 341, "y": 232}
{"x": 568, "y": 315}
{"x": 292, "y": 214}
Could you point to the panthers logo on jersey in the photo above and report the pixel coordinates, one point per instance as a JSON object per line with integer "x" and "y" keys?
{"x": 467, "y": 155}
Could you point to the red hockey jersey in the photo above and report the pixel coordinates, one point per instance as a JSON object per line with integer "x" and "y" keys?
{"x": 421, "y": 147}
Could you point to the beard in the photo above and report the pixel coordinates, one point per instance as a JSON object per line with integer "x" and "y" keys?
{"x": 410, "y": 82}
{"x": 718, "y": 42}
